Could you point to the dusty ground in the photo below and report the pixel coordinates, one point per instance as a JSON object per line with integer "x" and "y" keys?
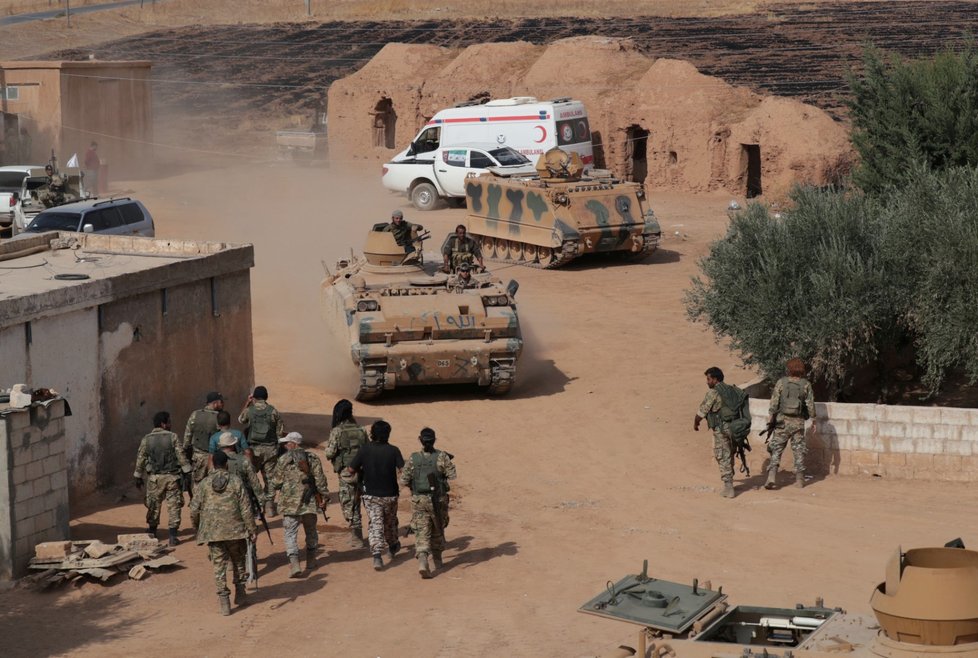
{"x": 589, "y": 467}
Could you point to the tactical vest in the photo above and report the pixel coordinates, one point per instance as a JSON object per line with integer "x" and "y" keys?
{"x": 205, "y": 424}
{"x": 351, "y": 437}
{"x": 161, "y": 454}
{"x": 261, "y": 425}
{"x": 424, "y": 463}
{"x": 237, "y": 467}
{"x": 792, "y": 403}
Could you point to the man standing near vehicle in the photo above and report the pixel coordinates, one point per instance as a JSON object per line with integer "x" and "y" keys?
{"x": 164, "y": 464}
{"x": 345, "y": 439}
{"x": 460, "y": 248}
{"x": 405, "y": 233}
{"x": 427, "y": 473}
{"x": 378, "y": 465}
{"x": 792, "y": 403}
{"x": 197, "y": 435}
{"x": 91, "y": 164}
{"x": 263, "y": 426}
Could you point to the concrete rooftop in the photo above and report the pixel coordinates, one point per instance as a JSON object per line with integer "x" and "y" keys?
{"x": 101, "y": 268}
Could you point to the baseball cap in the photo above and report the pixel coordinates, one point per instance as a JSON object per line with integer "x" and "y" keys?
{"x": 291, "y": 436}
{"x": 227, "y": 439}
{"x": 214, "y": 396}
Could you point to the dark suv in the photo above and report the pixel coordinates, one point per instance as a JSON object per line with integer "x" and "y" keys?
{"x": 111, "y": 217}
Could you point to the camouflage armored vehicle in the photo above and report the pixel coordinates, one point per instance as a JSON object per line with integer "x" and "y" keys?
{"x": 407, "y": 325}
{"x": 927, "y": 607}
{"x": 558, "y": 215}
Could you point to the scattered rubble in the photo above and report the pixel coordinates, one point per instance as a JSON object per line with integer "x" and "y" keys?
{"x": 60, "y": 562}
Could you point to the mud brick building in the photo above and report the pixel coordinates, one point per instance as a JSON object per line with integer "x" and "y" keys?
{"x": 123, "y": 327}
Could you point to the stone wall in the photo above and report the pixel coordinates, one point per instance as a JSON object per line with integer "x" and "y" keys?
{"x": 33, "y": 483}
{"x": 920, "y": 443}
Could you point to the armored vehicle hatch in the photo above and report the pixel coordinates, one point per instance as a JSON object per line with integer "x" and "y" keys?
{"x": 558, "y": 215}
{"x": 407, "y": 325}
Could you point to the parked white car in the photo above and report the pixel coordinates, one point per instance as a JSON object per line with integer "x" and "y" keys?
{"x": 426, "y": 180}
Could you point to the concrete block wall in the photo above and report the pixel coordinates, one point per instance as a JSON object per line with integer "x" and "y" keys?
{"x": 33, "y": 483}
{"x": 923, "y": 443}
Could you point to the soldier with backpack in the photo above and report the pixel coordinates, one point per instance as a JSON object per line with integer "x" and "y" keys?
{"x": 262, "y": 427}
{"x": 345, "y": 439}
{"x": 792, "y": 403}
{"x": 727, "y": 413}
{"x": 427, "y": 473}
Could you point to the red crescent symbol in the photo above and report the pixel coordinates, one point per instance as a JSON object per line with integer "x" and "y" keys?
{"x": 543, "y": 134}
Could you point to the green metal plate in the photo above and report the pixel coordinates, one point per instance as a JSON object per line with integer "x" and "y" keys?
{"x": 660, "y": 604}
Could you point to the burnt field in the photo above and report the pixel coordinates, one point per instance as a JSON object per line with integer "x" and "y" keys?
{"x": 262, "y": 71}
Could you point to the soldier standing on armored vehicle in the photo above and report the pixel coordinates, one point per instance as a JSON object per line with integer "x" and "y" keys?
{"x": 792, "y": 403}
{"x": 197, "y": 435}
{"x": 221, "y": 512}
{"x": 345, "y": 439}
{"x": 712, "y": 408}
{"x": 427, "y": 473}
{"x": 405, "y": 233}
{"x": 460, "y": 248}
{"x": 160, "y": 456}
{"x": 263, "y": 425}
{"x": 54, "y": 193}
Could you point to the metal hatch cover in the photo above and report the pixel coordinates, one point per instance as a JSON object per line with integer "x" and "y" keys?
{"x": 660, "y": 604}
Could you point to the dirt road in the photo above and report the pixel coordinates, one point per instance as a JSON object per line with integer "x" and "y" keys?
{"x": 589, "y": 467}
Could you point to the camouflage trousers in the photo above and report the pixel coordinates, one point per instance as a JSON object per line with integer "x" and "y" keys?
{"x": 266, "y": 456}
{"x": 382, "y": 512}
{"x": 162, "y": 488}
{"x": 222, "y": 552}
{"x": 429, "y": 536}
{"x": 291, "y": 523}
{"x": 793, "y": 430}
{"x": 199, "y": 462}
{"x": 723, "y": 453}
{"x": 350, "y": 504}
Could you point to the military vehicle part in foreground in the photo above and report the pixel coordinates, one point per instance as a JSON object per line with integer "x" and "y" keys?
{"x": 408, "y": 326}
{"x": 558, "y": 215}
{"x": 926, "y": 608}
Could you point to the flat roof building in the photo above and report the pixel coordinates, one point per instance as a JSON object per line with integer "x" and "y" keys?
{"x": 123, "y": 327}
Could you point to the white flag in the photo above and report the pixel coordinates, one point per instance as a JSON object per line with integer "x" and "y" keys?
{"x": 72, "y": 161}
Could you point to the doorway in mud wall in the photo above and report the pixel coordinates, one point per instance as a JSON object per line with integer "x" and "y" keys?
{"x": 750, "y": 161}
{"x": 384, "y": 120}
{"x": 636, "y": 153}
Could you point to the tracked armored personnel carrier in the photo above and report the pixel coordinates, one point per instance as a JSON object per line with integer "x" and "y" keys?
{"x": 926, "y": 608}
{"x": 407, "y": 325}
{"x": 558, "y": 215}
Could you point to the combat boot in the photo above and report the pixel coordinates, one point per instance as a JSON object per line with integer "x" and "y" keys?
{"x": 378, "y": 562}
{"x": 800, "y": 480}
{"x": 310, "y": 559}
{"x": 395, "y": 547}
{"x": 225, "y": 600}
{"x": 436, "y": 558}
{"x": 771, "y": 484}
{"x": 173, "y": 537}
{"x": 240, "y": 594}
{"x": 294, "y": 569}
{"x": 423, "y": 565}
{"x": 152, "y": 531}
{"x": 728, "y": 490}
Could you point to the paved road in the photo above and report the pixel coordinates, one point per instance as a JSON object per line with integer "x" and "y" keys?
{"x": 57, "y": 13}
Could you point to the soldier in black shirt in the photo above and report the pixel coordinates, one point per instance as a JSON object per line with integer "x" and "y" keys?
{"x": 378, "y": 465}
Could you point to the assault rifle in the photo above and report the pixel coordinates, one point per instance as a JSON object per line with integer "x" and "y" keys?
{"x": 311, "y": 488}
{"x": 741, "y": 448}
{"x": 251, "y": 562}
{"x": 256, "y": 505}
{"x": 768, "y": 430}
{"x": 435, "y": 487}
{"x": 187, "y": 483}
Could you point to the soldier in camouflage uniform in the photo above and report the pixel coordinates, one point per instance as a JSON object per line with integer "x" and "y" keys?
{"x": 221, "y": 512}
{"x": 164, "y": 463}
{"x": 792, "y": 403}
{"x": 722, "y": 440}
{"x": 429, "y": 505}
{"x": 197, "y": 435}
{"x": 263, "y": 426}
{"x": 345, "y": 439}
{"x": 405, "y": 233}
{"x": 299, "y": 477}
{"x": 239, "y": 465}
{"x": 460, "y": 248}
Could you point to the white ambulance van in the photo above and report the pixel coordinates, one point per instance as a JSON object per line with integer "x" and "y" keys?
{"x": 522, "y": 123}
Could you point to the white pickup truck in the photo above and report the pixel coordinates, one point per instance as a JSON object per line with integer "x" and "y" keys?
{"x": 441, "y": 173}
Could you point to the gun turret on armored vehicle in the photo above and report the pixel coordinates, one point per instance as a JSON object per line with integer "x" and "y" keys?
{"x": 558, "y": 215}
{"x": 410, "y": 326}
{"x": 926, "y": 608}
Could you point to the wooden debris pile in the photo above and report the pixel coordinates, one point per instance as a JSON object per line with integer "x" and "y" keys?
{"x": 60, "y": 562}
